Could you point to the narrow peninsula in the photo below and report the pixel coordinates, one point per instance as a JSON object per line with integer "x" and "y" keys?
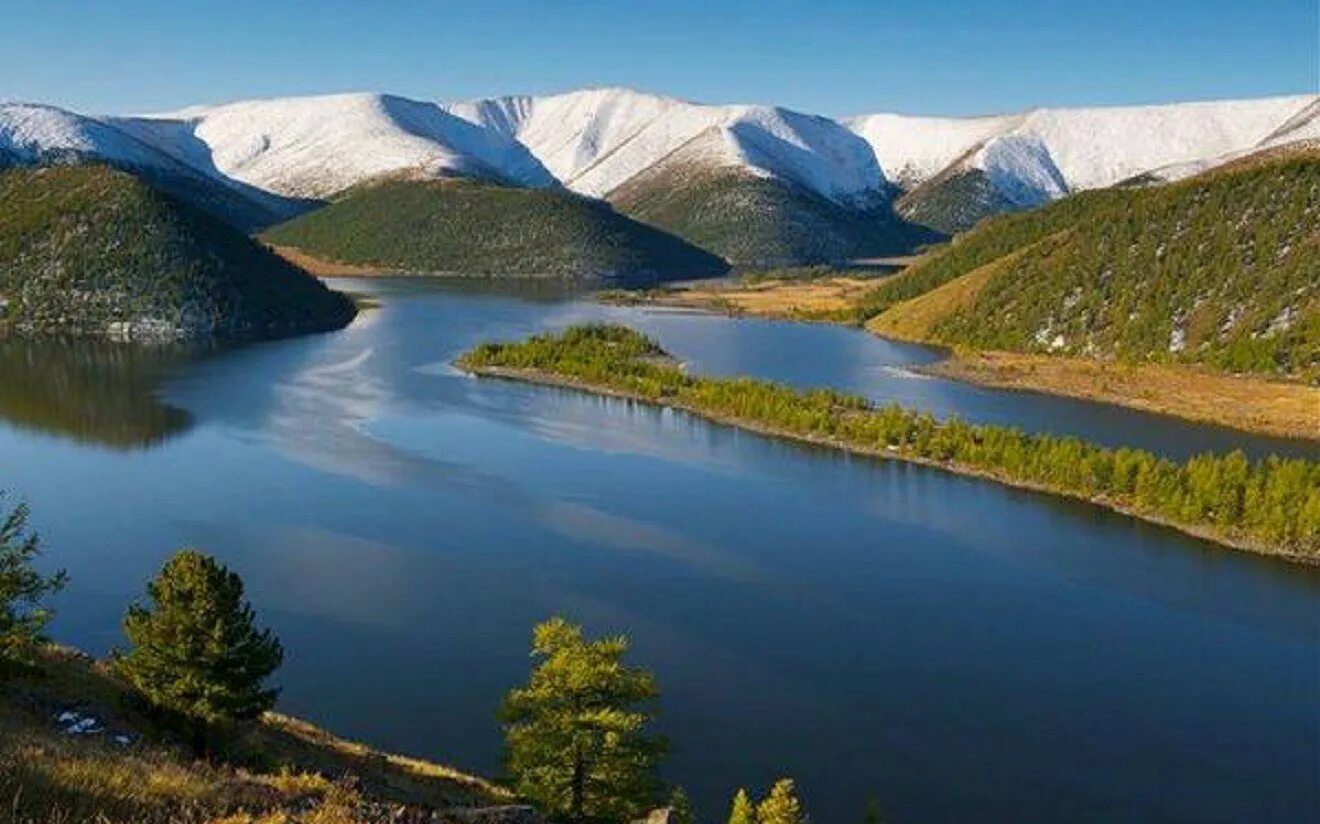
{"x": 1271, "y": 506}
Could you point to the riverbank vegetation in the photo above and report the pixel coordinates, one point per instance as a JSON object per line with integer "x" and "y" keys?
{"x": 178, "y": 729}
{"x": 1270, "y": 506}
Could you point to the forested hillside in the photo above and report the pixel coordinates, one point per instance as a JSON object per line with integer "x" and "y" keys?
{"x": 759, "y": 221}
{"x": 1222, "y": 269}
{"x": 90, "y": 250}
{"x": 470, "y": 227}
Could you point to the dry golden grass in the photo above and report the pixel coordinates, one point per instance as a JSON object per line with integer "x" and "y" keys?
{"x": 827, "y": 299}
{"x": 915, "y": 318}
{"x": 320, "y": 266}
{"x": 276, "y": 771}
{"x": 1243, "y": 402}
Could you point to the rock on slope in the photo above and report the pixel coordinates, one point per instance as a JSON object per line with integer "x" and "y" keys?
{"x": 91, "y": 250}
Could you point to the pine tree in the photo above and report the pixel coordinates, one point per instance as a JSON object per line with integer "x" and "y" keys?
{"x": 196, "y": 650}
{"x": 575, "y": 736}
{"x": 742, "y": 811}
{"x": 23, "y": 616}
{"x": 781, "y": 806}
{"x": 874, "y": 813}
{"x": 680, "y": 807}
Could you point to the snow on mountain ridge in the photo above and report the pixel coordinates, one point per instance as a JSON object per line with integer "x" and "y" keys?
{"x": 317, "y": 146}
{"x": 31, "y": 132}
{"x": 595, "y": 140}
{"x": 914, "y": 149}
{"x": 1091, "y": 147}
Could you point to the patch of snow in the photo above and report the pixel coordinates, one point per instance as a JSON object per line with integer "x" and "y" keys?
{"x": 1282, "y": 322}
{"x": 1021, "y": 169}
{"x": 77, "y": 723}
{"x": 1177, "y": 339}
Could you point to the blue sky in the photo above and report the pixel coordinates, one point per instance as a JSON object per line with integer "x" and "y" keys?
{"x": 834, "y": 58}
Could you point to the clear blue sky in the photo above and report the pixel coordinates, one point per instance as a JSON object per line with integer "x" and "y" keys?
{"x": 834, "y": 58}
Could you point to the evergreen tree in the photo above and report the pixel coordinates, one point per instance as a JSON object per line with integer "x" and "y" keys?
{"x": 742, "y": 811}
{"x": 874, "y": 813}
{"x": 576, "y": 742}
{"x": 680, "y": 807}
{"x": 23, "y": 616}
{"x": 196, "y": 650}
{"x": 781, "y": 806}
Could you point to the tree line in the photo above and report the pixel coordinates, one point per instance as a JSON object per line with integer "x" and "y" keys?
{"x": 578, "y": 742}
{"x": 1273, "y": 504}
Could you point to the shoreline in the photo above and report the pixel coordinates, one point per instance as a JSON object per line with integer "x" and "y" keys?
{"x": 1249, "y": 404}
{"x": 544, "y": 378}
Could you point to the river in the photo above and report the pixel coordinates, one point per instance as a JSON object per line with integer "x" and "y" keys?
{"x": 956, "y": 649}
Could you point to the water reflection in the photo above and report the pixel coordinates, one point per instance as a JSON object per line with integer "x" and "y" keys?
{"x": 96, "y": 392}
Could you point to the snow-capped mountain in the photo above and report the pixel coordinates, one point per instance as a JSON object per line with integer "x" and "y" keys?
{"x": 286, "y": 152}
{"x": 1091, "y": 147}
{"x": 31, "y": 133}
{"x": 313, "y": 147}
{"x": 957, "y": 171}
{"x": 594, "y": 141}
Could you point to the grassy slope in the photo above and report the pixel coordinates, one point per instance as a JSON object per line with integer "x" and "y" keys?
{"x": 915, "y": 319}
{"x": 82, "y": 247}
{"x": 1230, "y": 261}
{"x": 280, "y": 769}
{"x": 954, "y": 201}
{"x": 484, "y": 228}
{"x": 759, "y": 221}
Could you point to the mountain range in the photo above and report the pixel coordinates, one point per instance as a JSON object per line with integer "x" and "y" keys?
{"x": 756, "y": 185}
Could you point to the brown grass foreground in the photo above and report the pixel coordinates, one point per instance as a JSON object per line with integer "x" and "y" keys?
{"x": 278, "y": 770}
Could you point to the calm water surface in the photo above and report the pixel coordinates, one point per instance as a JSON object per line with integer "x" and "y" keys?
{"x": 959, "y": 650}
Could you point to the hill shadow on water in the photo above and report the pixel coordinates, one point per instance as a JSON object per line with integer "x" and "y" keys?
{"x": 92, "y": 391}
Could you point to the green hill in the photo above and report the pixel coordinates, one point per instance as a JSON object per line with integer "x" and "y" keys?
{"x": 954, "y": 201}
{"x": 1222, "y": 269}
{"x": 89, "y": 250}
{"x": 482, "y": 228}
{"x": 758, "y": 221}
